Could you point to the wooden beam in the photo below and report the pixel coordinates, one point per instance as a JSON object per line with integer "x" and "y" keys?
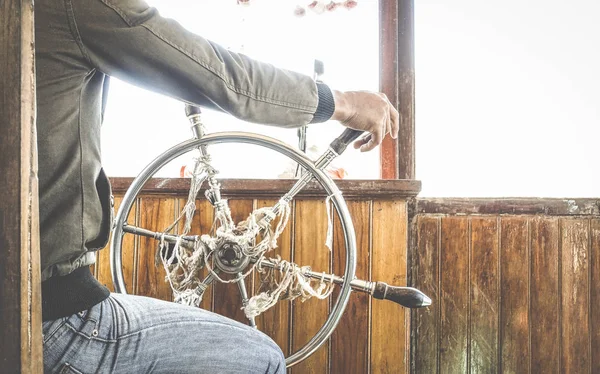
{"x": 406, "y": 89}
{"x": 20, "y": 295}
{"x": 388, "y": 80}
{"x": 397, "y": 81}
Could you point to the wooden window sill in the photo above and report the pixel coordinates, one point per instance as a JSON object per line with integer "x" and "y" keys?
{"x": 272, "y": 188}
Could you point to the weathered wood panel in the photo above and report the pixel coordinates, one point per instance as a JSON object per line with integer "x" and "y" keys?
{"x": 20, "y": 294}
{"x": 275, "y": 322}
{"x": 309, "y": 249}
{"x": 514, "y": 287}
{"x": 155, "y": 214}
{"x": 539, "y": 313}
{"x": 454, "y": 295}
{"x": 544, "y": 291}
{"x": 426, "y": 275}
{"x": 202, "y": 224}
{"x": 389, "y": 334}
{"x": 484, "y": 313}
{"x": 350, "y": 340}
{"x": 575, "y": 326}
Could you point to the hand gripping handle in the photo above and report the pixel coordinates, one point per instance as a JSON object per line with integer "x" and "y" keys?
{"x": 406, "y": 296}
{"x": 341, "y": 142}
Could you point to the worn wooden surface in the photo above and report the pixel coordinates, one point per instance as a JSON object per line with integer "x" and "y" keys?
{"x": 20, "y": 299}
{"x": 388, "y": 79}
{"x": 350, "y": 340}
{"x": 532, "y": 306}
{"x": 263, "y": 188}
{"x": 389, "y": 336}
{"x": 509, "y": 206}
{"x": 372, "y": 336}
{"x": 310, "y": 234}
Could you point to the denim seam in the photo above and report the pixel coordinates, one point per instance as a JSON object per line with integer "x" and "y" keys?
{"x": 308, "y": 108}
{"x": 75, "y": 30}
{"x": 51, "y": 334}
{"x": 74, "y": 329}
{"x": 197, "y": 322}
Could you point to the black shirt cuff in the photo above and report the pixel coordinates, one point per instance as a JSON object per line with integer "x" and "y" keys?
{"x": 326, "y": 105}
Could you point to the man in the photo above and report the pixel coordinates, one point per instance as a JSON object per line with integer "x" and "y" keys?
{"x": 79, "y": 43}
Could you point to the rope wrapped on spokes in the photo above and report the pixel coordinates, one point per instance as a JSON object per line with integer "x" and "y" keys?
{"x": 183, "y": 263}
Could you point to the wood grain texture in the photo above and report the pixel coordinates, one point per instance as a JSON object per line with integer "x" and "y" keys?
{"x": 594, "y": 309}
{"x": 509, "y": 206}
{"x": 202, "y": 224}
{"x": 389, "y": 333}
{"x": 155, "y": 214}
{"x": 426, "y": 279}
{"x": 309, "y": 249}
{"x": 103, "y": 273}
{"x": 454, "y": 291}
{"x": 544, "y": 290}
{"x": 350, "y": 340}
{"x": 388, "y": 80}
{"x": 406, "y": 88}
{"x": 227, "y": 300}
{"x": 483, "y": 339}
{"x": 514, "y": 286}
{"x": 275, "y": 322}
{"x": 575, "y": 353}
{"x": 20, "y": 273}
{"x": 275, "y": 188}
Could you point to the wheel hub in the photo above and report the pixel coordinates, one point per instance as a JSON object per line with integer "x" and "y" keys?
{"x": 230, "y": 258}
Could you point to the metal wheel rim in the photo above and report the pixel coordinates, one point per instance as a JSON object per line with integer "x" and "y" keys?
{"x": 249, "y": 138}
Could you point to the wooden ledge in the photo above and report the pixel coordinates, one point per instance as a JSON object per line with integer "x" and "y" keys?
{"x": 273, "y": 188}
{"x": 509, "y": 206}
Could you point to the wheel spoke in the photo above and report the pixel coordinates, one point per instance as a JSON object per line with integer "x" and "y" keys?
{"x": 408, "y": 297}
{"x": 244, "y": 294}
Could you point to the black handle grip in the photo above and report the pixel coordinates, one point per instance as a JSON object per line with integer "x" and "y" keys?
{"x": 406, "y": 296}
{"x": 341, "y": 142}
{"x": 191, "y": 110}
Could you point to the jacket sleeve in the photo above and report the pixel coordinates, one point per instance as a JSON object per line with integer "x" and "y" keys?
{"x": 133, "y": 42}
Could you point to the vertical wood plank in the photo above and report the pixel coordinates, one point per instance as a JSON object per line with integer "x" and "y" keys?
{"x": 454, "y": 265}
{"x": 156, "y": 213}
{"x": 388, "y": 264}
{"x": 514, "y": 286}
{"x": 275, "y": 321}
{"x": 427, "y": 279}
{"x": 103, "y": 273}
{"x": 20, "y": 273}
{"x": 575, "y": 355}
{"x": 350, "y": 340}
{"x": 544, "y": 290}
{"x": 309, "y": 249}
{"x": 227, "y": 300}
{"x": 484, "y": 295}
{"x": 201, "y": 224}
{"x": 594, "y": 308}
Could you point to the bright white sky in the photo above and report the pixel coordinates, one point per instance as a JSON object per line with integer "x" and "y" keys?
{"x": 507, "y": 94}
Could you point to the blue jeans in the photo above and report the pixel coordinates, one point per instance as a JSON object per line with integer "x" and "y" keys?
{"x": 135, "y": 334}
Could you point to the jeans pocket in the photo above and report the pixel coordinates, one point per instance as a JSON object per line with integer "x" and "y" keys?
{"x": 66, "y": 368}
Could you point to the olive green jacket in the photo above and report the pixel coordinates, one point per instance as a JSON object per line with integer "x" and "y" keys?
{"x": 81, "y": 42}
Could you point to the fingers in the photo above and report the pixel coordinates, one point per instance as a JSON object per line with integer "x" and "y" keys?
{"x": 373, "y": 141}
{"x": 395, "y": 122}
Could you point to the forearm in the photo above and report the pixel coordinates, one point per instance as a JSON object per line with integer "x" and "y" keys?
{"x": 131, "y": 41}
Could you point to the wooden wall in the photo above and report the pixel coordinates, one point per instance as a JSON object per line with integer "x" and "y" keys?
{"x": 514, "y": 285}
{"x": 372, "y": 336}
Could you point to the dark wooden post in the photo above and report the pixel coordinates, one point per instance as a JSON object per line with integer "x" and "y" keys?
{"x": 397, "y": 81}
{"x": 406, "y": 88}
{"x": 20, "y": 299}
